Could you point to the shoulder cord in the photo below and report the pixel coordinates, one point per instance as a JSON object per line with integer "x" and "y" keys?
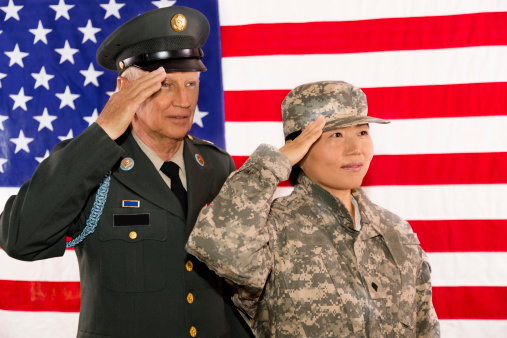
{"x": 98, "y": 206}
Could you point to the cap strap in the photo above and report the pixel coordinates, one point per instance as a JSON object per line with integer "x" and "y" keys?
{"x": 162, "y": 55}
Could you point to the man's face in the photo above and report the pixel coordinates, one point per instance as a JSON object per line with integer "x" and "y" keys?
{"x": 169, "y": 113}
{"x": 340, "y": 158}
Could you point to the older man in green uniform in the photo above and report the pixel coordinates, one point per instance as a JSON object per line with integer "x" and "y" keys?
{"x": 128, "y": 191}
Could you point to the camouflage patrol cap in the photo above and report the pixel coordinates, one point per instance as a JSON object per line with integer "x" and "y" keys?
{"x": 171, "y": 37}
{"x": 341, "y": 104}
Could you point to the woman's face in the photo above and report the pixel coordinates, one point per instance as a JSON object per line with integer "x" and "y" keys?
{"x": 339, "y": 159}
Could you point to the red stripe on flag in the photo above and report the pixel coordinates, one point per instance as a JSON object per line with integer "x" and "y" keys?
{"x": 430, "y": 169}
{"x": 476, "y": 99}
{"x": 40, "y": 296}
{"x": 437, "y": 169}
{"x": 482, "y": 29}
{"x": 462, "y": 235}
{"x": 466, "y": 302}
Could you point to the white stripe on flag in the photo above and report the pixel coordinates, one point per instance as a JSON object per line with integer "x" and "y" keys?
{"x": 431, "y": 202}
{"x": 21, "y": 324}
{"x": 400, "y": 137}
{"x": 234, "y": 12}
{"x": 449, "y": 269}
{"x": 367, "y": 70}
{"x": 468, "y": 268}
{"x": 60, "y": 269}
{"x": 473, "y": 328}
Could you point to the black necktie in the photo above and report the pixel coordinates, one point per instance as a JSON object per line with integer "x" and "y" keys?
{"x": 172, "y": 170}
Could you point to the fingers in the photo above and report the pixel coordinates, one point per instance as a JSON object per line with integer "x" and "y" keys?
{"x": 121, "y": 107}
{"x": 143, "y": 87}
{"x": 295, "y": 150}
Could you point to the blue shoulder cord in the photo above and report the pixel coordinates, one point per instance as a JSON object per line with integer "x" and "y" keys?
{"x": 98, "y": 206}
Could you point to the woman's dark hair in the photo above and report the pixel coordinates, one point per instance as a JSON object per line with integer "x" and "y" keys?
{"x": 296, "y": 169}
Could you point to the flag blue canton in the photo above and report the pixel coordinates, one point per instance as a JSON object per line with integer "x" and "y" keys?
{"x": 52, "y": 88}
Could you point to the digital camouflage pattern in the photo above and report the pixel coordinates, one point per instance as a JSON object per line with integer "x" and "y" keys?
{"x": 300, "y": 268}
{"x": 341, "y": 104}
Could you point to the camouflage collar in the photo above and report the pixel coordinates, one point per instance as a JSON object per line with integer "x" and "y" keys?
{"x": 323, "y": 199}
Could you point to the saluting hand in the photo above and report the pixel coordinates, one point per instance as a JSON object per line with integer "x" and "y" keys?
{"x": 121, "y": 107}
{"x": 297, "y": 149}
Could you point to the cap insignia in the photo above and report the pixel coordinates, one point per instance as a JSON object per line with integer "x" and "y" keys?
{"x": 179, "y": 23}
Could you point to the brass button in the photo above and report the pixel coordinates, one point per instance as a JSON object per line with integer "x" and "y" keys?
{"x": 189, "y": 266}
{"x": 133, "y": 235}
{"x": 193, "y": 331}
{"x": 190, "y": 298}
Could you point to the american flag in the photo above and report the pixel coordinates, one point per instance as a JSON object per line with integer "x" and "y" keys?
{"x": 437, "y": 69}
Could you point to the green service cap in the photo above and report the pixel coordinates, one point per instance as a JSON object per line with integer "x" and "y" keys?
{"x": 342, "y": 105}
{"x": 170, "y": 37}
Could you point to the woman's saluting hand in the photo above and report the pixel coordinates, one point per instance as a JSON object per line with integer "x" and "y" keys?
{"x": 295, "y": 150}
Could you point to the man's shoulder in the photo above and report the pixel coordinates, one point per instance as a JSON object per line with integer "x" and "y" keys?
{"x": 205, "y": 145}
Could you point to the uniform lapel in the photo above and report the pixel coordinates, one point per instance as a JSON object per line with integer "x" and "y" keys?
{"x": 200, "y": 178}
{"x": 144, "y": 179}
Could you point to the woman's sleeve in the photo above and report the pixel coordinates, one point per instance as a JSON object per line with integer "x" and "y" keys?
{"x": 427, "y": 321}
{"x": 231, "y": 235}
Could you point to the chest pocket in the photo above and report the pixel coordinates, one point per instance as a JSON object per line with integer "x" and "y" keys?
{"x": 392, "y": 266}
{"x": 133, "y": 258}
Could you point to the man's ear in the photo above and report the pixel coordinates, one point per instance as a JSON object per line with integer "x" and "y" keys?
{"x": 121, "y": 82}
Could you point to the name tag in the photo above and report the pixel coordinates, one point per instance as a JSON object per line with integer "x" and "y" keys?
{"x": 128, "y": 220}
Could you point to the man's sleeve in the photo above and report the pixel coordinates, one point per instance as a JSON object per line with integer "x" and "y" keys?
{"x": 34, "y": 223}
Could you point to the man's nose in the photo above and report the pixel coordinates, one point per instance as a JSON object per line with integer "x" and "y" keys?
{"x": 181, "y": 98}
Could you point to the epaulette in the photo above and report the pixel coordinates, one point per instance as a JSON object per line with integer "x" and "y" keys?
{"x": 198, "y": 141}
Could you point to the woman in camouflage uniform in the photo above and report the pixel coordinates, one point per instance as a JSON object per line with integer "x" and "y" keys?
{"x": 324, "y": 261}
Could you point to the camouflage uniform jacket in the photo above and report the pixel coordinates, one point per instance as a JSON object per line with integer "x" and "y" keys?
{"x": 300, "y": 268}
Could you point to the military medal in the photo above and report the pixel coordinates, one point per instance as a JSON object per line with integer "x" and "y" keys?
{"x": 127, "y": 163}
{"x": 199, "y": 160}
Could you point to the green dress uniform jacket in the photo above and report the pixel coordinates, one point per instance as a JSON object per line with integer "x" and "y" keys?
{"x": 136, "y": 278}
{"x": 300, "y": 267}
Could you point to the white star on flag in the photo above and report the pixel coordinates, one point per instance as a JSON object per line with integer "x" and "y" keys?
{"x": 91, "y": 75}
{"x": 163, "y": 3}
{"x": 11, "y": 11}
{"x": 198, "y": 116}
{"x": 42, "y": 78}
{"x": 67, "y": 98}
{"x": 112, "y": 8}
{"x": 68, "y": 136}
{"x": 62, "y": 9}
{"x": 21, "y": 142}
{"x": 40, "y": 33}
{"x": 92, "y": 118}
{"x": 40, "y": 159}
{"x": 89, "y": 32}
{"x": 2, "y": 75}
{"x": 16, "y": 56}
{"x": 45, "y": 120}
{"x": 114, "y": 91}
{"x": 2, "y": 119}
{"x": 2, "y": 162}
{"x": 21, "y": 99}
{"x": 67, "y": 53}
